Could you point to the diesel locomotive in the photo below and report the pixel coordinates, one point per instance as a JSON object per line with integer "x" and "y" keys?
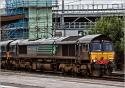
{"x": 90, "y": 55}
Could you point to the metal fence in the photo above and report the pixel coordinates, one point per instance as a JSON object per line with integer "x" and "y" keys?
{"x": 75, "y": 25}
{"x": 93, "y": 8}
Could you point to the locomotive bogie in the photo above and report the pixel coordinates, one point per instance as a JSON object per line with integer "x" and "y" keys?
{"x": 73, "y": 68}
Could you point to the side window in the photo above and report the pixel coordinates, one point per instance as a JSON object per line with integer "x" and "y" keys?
{"x": 3, "y": 48}
{"x": 84, "y": 47}
{"x": 22, "y": 49}
{"x": 12, "y": 48}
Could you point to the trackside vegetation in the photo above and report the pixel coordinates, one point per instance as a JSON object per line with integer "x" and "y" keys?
{"x": 112, "y": 27}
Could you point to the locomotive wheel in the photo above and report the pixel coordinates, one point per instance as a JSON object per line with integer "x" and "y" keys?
{"x": 96, "y": 73}
{"x": 84, "y": 73}
{"x": 109, "y": 70}
{"x": 62, "y": 70}
{"x": 3, "y": 65}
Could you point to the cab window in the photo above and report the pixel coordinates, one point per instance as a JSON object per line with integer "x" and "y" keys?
{"x": 107, "y": 46}
{"x": 96, "y": 46}
{"x": 84, "y": 47}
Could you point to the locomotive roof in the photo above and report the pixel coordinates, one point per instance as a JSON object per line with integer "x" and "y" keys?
{"x": 18, "y": 41}
{"x": 39, "y": 41}
{"x": 56, "y": 40}
{"x": 5, "y": 42}
{"x": 89, "y": 38}
{"x": 49, "y": 40}
{"x": 69, "y": 40}
{"x": 80, "y": 39}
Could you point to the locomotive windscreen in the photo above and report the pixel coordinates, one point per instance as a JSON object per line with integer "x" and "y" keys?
{"x": 107, "y": 46}
{"x": 96, "y": 46}
{"x": 102, "y": 46}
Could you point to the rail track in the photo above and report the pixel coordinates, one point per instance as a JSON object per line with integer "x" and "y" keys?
{"x": 54, "y": 78}
{"x": 113, "y": 77}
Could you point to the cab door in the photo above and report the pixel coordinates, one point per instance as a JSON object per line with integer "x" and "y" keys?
{"x": 84, "y": 51}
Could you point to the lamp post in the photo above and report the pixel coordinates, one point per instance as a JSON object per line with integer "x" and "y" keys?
{"x": 62, "y": 18}
{"x": 93, "y": 5}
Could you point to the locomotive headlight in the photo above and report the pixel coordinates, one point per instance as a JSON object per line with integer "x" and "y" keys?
{"x": 94, "y": 60}
{"x": 111, "y": 60}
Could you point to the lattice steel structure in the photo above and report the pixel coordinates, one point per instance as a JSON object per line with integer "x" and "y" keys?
{"x": 35, "y": 23}
{"x": 80, "y": 18}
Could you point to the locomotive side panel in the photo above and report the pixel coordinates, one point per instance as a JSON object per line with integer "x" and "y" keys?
{"x": 59, "y": 50}
{"x": 0, "y": 52}
{"x": 68, "y": 50}
{"x": 84, "y": 52}
{"x": 13, "y": 49}
{"x": 31, "y": 50}
{"x": 22, "y": 49}
{"x": 45, "y": 50}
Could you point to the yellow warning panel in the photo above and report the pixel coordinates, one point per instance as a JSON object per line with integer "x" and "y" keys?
{"x": 99, "y": 55}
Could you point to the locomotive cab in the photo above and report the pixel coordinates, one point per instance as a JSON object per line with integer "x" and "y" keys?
{"x": 101, "y": 52}
{"x": 98, "y": 49}
{"x": 102, "y": 56}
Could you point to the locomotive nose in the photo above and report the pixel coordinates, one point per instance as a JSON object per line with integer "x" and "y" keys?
{"x": 102, "y": 56}
{"x": 102, "y": 61}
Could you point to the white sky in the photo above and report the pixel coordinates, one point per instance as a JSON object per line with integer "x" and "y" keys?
{"x": 72, "y": 2}
{"x": 2, "y": 3}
